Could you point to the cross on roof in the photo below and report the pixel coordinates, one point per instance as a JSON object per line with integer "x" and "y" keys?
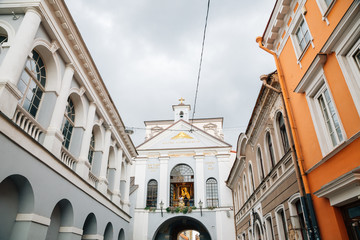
{"x": 181, "y": 100}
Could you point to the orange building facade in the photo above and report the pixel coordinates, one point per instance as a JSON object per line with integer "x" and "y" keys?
{"x": 316, "y": 45}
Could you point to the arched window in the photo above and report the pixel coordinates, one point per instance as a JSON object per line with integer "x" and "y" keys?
{"x": 261, "y": 164}
{"x": 151, "y": 199}
{"x": 32, "y": 83}
{"x": 181, "y": 114}
{"x": 245, "y": 189}
{"x": 283, "y": 134}
{"x": 3, "y": 39}
{"x": 270, "y": 148}
{"x": 212, "y": 199}
{"x": 251, "y": 177}
{"x": 182, "y": 185}
{"x": 68, "y": 123}
{"x": 300, "y": 215}
{"x": 91, "y": 148}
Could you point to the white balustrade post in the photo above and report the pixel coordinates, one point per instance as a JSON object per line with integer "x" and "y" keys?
{"x": 103, "y": 183}
{"x": 83, "y": 165}
{"x": 53, "y": 139}
{"x": 14, "y": 61}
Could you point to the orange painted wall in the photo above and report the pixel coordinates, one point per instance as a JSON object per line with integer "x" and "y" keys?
{"x": 329, "y": 218}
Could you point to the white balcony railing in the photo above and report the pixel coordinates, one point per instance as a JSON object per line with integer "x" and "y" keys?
{"x": 93, "y": 179}
{"x": 27, "y": 123}
{"x": 67, "y": 158}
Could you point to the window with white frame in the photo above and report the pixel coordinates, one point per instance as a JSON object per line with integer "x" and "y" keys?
{"x": 269, "y": 228}
{"x": 301, "y": 37}
{"x": 330, "y": 117}
{"x": 251, "y": 178}
{"x": 212, "y": 199}
{"x": 325, "y": 117}
{"x": 325, "y": 7}
{"x": 283, "y": 132}
{"x": 32, "y": 83}
{"x": 270, "y": 149}
{"x": 91, "y": 149}
{"x": 260, "y": 164}
{"x": 245, "y": 189}
{"x": 68, "y": 123}
{"x": 282, "y": 224}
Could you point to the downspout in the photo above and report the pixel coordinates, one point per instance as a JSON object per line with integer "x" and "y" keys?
{"x": 300, "y": 159}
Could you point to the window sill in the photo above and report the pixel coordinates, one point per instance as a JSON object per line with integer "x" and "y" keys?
{"x": 335, "y": 151}
{"x": 304, "y": 51}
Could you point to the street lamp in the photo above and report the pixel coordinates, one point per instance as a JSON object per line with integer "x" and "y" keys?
{"x": 200, "y": 205}
{"x": 161, "y": 207}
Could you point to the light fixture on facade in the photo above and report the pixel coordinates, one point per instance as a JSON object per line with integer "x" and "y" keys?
{"x": 200, "y": 205}
{"x": 161, "y": 207}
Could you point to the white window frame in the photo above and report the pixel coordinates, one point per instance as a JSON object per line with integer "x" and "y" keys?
{"x": 324, "y": 138}
{"x": 269, "y": 229}
{"x": 325, "y": 9}
{"x": 298, "y": 51}
{"x": 313, "y": 82}
{"x": 351, "y": 70}
{"x": 294, "y": 218}
{"x": 279, "y": 221}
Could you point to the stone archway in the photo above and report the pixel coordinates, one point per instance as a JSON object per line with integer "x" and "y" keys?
{"x": 171, "y": 228}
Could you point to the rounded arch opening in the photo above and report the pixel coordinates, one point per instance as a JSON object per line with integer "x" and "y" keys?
{"x": 16, "y": 196}
{"x": 182, "y": 186}
{"x": 109, "y": 232}
{"x": 121, "y": 235}
{"x": 171, "y": 228}
{"x": 90, "y": 225}
{"x": 61, "y": 216}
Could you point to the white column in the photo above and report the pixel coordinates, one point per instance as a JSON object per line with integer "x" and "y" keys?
{"x": 83, "y": 165}
{"x": 116, "y": 190}
{"x": 164, "y": 184}
{"x": 224, "y": 192}
{"x": 14, "y": 61}
{"x": 103, "y": 183}
{"x": 53, "y": 139}
{"x": 200, "y": 191}
{"x": 127, "y": 189}
{"x": 141, "y": 168}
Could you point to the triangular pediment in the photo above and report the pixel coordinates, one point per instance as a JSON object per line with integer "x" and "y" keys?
{"x": 182, "y": 135}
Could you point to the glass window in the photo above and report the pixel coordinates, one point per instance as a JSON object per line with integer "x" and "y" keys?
{"x": 271, "y": 149}
{"x": 32, "y": 83}
{"x": 3, "y": 39}
{"x": 301, "y": 219}
{"x": 302, "y": 35}
{"x": 269, "y": 229}
{"x": 151, "y": 200}
{"x": 91, "y": 149}
{"x": 68, "y": 123}
{"x": 330, "y": 117}
{"x": 261, "y": 164}
{"x": 251, "y": 177}
{"x": 212, "y": 193}
{"x": 283, "y": 132}
{"x": 282, "y": 224}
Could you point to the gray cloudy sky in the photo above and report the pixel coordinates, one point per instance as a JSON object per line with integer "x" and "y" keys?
{"x": 148, "y": 53}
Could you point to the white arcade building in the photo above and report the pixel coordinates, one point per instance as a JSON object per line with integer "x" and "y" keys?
{"x": 181, "y": 171}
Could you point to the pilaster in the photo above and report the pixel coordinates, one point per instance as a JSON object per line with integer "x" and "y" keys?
{"x": 103, "y": 182}
{"x": 200, "y": 191}
{"x": 14, "y": 61}
{"x": 164, "y": 180}
{"x": 83, "y": 166}
{"x": 53, "y": 139}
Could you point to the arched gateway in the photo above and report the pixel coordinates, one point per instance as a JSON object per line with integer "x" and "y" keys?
{"x": 171, "y": 228}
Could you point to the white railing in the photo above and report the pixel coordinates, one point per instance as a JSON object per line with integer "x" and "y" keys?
{"x": 67, "y": 158}
{"x": 27, "y": 123}
{"x": 93, "y": 179}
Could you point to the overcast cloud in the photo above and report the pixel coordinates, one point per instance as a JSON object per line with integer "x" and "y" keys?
{"x": 148, "y": 53}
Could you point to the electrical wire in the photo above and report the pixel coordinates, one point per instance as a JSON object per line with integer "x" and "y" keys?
{"x": 201, "y": 58}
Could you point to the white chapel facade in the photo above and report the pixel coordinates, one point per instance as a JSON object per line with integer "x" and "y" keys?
{"x": 181, "y": 171}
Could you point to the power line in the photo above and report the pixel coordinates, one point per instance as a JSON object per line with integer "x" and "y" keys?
{"x": 201, "y": 57}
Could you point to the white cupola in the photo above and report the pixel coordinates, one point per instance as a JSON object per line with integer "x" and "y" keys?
{"x": 181, "y": 111}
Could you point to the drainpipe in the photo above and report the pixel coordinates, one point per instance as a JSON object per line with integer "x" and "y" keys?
{"x": 313, "y": 228}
